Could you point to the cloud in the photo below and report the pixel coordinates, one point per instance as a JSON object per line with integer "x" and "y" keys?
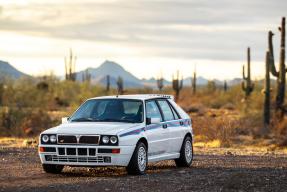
{"x": 218, "y": 30}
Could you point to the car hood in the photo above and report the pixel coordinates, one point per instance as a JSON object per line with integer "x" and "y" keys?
{"x": 82, "y": 128}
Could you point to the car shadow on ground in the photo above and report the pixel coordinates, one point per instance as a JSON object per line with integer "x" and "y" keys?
{"x": 114, "y": 171}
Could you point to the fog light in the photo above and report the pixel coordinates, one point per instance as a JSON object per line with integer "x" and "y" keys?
{"x": 107, "y": 159}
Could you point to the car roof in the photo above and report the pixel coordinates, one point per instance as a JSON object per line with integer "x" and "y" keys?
{"x": 136, "y": 96}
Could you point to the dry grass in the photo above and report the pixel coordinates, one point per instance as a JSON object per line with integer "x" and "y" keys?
{"x": 17, "y": 142}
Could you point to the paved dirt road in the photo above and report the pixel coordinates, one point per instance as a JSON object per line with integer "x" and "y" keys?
{"x": 20, "y": 170}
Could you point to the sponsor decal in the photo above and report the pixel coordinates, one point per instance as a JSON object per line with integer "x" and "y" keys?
{"x": 171, "y": 124}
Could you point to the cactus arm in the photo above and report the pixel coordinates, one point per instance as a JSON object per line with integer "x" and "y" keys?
{"x": 272, "y": 67}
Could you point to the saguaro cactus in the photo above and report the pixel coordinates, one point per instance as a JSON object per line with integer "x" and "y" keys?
{"x": 70, "y": 66}
{"x": 266, "y": 111}
{"x": 120, "y": 84}
{"x": 193, "y": 83}
{"x": 280, "y": 74}
{"x": 159, "y": 82}
{"x": 177, "y": 85}
{"x": 225, "y": 86}
{"x": 247, "y": 85}
{"x": 108, "y": 83}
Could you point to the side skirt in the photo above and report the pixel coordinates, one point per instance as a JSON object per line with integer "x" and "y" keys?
{"x": 165, "y": 156}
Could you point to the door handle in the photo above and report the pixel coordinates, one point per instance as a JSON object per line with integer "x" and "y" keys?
{"x": 164, "y": 126}
{"x": 181, "y": 123}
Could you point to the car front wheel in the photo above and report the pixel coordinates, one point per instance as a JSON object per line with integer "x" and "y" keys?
{"x": 138, "y": 162}
{"x": 186, "y": 153}
{"x": 56, "y": 169}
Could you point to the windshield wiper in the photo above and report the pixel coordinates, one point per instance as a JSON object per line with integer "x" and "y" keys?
{"x": 83, "y": 119}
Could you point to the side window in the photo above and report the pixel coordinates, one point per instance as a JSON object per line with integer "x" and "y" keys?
{"x": 176, "y": 116}
{"x": 152, "y": 111}
{"x": 166, "y": 110}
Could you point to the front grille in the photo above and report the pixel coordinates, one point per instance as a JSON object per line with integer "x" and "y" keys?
{"x": 71, "y": 151}
{"x": 67, "y": 139}
{"x": 98, "y": 159}
{"x": 76, "y": 151}
{"x": 82, "y": 152}
{"x": 89, "y": 139}
{"x": 79, "y": 139}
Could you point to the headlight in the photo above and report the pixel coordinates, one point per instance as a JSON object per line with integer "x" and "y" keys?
{"x": 45, "y": 138}
{"x": 113, "y": 139}
{"x": 109, "y": 140}
{"x": 53, "y": 138}
{"x": 48, "y": 139}
{"x": 105, "y": 139}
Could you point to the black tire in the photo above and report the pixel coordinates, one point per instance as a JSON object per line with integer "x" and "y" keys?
{"x": 134, "y": 167}
{"x": 184, "y": 160}
{"x": 55, "y": 169}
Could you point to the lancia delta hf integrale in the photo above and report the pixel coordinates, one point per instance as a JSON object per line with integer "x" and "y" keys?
{"x": 124, "y": 130}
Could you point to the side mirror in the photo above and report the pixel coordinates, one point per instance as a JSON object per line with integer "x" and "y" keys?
{"x": 65, "y": 120}
{"x": 152, "y": 121}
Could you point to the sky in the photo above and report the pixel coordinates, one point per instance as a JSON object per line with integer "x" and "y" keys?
{"x": 147, "y": 37}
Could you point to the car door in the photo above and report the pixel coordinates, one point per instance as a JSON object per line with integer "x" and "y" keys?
{"x": 172, "y": 121}
{"x": 157, "y": 136}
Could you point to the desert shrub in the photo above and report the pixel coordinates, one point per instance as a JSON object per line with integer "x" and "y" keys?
{"x": 215, "y": 129}
{"x": 36, "y": 121}
{"x": 21, "y": 122}
{"x": 280, "y": 131}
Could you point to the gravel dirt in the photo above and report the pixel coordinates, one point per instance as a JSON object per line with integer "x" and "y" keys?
{"x": 20, "y": 170}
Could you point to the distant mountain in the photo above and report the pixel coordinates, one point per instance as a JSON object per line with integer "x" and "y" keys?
{"x": 113, "y": 69}
{"x": 152, "y": 82}
{"x": 7, "y": 70}
{"x": 99, "y": 76}
{"x": 199, "y": 81}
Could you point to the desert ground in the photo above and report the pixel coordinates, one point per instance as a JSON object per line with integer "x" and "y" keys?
{"x": 213, "y": 169}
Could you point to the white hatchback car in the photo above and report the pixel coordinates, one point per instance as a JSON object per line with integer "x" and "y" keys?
{"x": 124, "y": 130}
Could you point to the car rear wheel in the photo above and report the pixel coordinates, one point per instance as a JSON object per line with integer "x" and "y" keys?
{"x": 56, "y": 169}
{"x": 186, "y": 153}
{"x": 138, "y": 162}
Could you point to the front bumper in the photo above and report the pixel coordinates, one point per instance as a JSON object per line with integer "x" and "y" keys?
{"x": 60, "y": 156}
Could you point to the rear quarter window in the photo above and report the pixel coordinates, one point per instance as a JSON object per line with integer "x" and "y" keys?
{"x": 166, "y": 110}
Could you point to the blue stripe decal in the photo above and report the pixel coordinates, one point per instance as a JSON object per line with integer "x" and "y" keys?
{"x": 176, "y": 123}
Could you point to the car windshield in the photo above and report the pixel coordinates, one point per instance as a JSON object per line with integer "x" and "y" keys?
{"x": 109, "y": 110}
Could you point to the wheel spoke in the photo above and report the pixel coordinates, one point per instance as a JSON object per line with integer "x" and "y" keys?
{"x": 188, "y": 151}
{"x": 142, "y": 158}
